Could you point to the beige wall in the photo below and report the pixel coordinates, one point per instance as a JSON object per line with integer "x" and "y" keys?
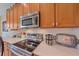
{"x": 0, "y": 27}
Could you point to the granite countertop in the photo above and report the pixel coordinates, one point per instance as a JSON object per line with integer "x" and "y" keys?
{"x": 56, "y": 50}
{"x": 13, "y": 40}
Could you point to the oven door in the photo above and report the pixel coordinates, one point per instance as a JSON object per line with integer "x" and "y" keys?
{"x": 16, "y": 51}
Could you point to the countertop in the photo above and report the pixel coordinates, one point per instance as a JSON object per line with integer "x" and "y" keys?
{"x": 13, "y": 40}
{"x": 44, "y": 50}
{"x": 56, "y": 50}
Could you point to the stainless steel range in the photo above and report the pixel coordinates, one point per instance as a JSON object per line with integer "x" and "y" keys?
{"x": 25, "y": 47}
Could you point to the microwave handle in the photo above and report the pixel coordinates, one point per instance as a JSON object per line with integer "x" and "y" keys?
{"x": 36, "y": 20}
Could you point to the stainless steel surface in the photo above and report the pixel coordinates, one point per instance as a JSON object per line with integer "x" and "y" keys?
{"x": 19, "y": 51}
{"x": 34, "y": 17}
{"x": 68, "y": 40}
{"x": 35, "y": 36}
{"x": 49, "y": 39}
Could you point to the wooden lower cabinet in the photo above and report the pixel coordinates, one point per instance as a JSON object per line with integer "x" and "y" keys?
{"x": 7, "y": 51}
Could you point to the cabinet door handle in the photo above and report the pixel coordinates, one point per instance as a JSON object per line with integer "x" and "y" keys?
{"x": 53, "y": 24}
{"x": 56, "y": 23}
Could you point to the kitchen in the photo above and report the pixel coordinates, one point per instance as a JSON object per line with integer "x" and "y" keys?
{"x": 40, "y": 29}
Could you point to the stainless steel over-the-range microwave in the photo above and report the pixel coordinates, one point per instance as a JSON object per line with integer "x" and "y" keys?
{"x": 30, "y": 20}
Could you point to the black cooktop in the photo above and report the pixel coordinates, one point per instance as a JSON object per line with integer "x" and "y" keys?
{"x": 27, "y": 44}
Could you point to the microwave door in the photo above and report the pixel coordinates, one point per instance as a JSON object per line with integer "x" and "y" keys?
{"x": 30, "y": 21}
{"x": 27, "y": 22}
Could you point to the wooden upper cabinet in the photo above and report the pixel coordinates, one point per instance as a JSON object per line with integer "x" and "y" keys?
{"x": 11, "y": 18}
{"x": 76, "y": 14}
{"x": 51, "y": 14}
{"x": 15, "y": 8}
{"x": 64, "y": 15}
{"x": 26, "y": 9}
{"x": 47, "y": 15}
{"x": 33, "y": 7}
{"x": 20, "y": 12}
{"x": 8, "y": 18}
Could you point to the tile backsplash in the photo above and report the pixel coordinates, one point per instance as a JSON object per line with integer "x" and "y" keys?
{"x": 54, "y": 31}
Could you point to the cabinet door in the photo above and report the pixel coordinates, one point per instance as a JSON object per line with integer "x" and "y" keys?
{"x": 47, "y": 15}
{"x": 15, "y": 16}
{"x": 8, "y": 18}
{"x": 64, "y": 15}
{"x": 20, "y": 12}
{"x": 6, "y": 51}
{"x": 26, "y": 8}
{"x": 76, "y": 14}
{"x": 11, "y": 18}
{"x": 33, "y": 7}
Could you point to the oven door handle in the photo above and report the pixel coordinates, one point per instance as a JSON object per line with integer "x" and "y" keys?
{"x": 15, "y": 53}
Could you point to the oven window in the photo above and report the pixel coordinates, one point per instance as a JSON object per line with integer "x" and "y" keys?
{"x": 27, "y": 22}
